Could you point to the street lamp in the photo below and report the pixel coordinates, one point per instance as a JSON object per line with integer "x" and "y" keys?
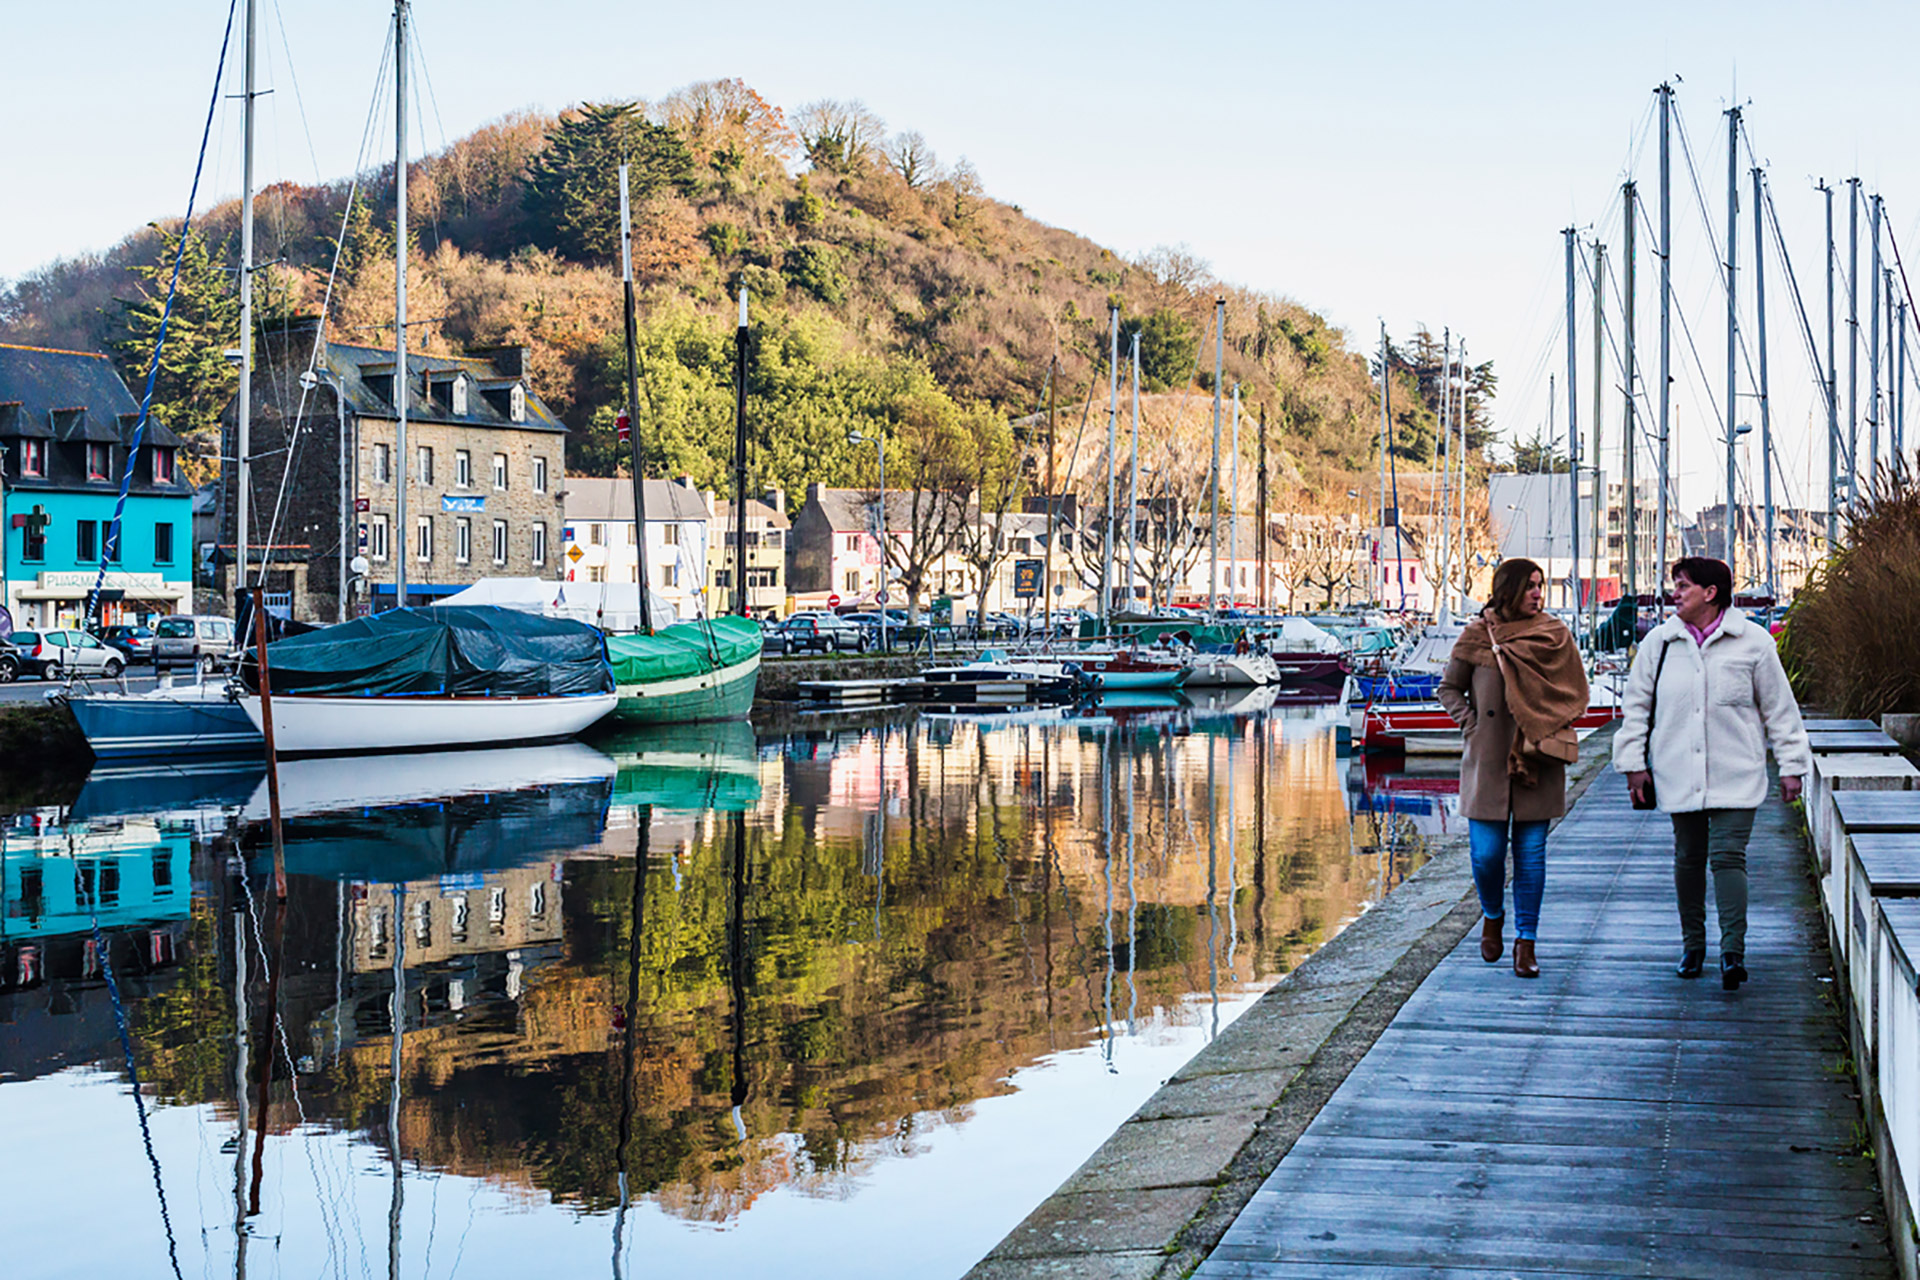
{"x": 1526, "y": 536}
{"x": 880, "y": 446}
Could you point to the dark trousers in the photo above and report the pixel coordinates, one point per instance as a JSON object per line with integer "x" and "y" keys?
{"x": 1716, "y": 838}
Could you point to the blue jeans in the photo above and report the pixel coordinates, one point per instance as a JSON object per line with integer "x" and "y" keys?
{"x": 1488, "y": 841}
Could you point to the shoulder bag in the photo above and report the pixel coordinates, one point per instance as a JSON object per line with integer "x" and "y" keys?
{"x": 1653, "y": 709}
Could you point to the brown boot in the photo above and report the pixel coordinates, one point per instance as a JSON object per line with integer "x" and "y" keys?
{"x": 1523, "y": 965}
{"x": 1491, "y": 945}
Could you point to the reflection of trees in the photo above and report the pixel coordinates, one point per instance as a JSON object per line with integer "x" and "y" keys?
{"x": 184, "y": 1029}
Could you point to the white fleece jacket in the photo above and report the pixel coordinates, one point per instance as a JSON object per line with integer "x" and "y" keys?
{"x": 1721, "y": 704}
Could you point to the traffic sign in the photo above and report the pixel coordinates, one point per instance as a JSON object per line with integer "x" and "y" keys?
{"x": 833, "y": 600}
{"x": 361, "y": 504}
{"x": 574, "y": 553}
{"x": 882, "y": 597}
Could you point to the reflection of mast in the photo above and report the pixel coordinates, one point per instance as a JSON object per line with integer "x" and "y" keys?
{"x": 267, "y": 1041}
{"x": 644, "y": 816}
{"x": 393, "y": 1092}
{"x": 239, "y": 1086}
{"x": 1213, "y": 885}
{"x": 1133, "y": 901}
{"x": 1233, "y": 876}
{"x": 736, "y": 965}
{"x": 1260, "y": 839}
{"x": 1106, "y": 875}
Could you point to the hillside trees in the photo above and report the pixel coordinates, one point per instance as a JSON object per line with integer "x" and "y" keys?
{"x": 839, "y": 137}
{"x": 194, "y": 380}
{"x": 572, "y": 187}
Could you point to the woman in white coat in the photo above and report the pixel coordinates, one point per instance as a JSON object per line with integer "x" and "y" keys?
{"x": 1700, "y": 743}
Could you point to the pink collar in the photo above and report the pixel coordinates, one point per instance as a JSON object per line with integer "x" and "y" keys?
{"x": 1700, "y": 634}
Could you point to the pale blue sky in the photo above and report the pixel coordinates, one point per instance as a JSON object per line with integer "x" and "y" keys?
{"x": 1387, "y": 161}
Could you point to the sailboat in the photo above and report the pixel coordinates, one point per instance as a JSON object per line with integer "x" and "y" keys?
{"x": 689, "y": 671}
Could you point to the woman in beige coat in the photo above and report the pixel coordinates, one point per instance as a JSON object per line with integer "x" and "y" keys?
{"x": 1514, "y": 685}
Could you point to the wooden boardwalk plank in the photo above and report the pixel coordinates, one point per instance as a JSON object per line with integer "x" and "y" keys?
{"x": 1606, "y": 1119}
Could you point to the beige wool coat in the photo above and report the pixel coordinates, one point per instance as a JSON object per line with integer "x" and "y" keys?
{"x": 1476, "y": 698}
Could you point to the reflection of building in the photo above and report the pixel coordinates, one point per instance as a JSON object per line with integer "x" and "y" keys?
{"x": 457, "y": 916}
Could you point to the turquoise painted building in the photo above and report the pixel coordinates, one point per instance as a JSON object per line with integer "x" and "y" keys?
{"x": 66, "y": 435}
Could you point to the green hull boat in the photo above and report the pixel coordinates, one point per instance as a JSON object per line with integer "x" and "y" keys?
{"x": 687, "y": 672}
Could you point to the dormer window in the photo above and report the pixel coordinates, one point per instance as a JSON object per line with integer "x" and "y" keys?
{"x": 162, "y": 465}
{"x": 517, "y": 402}
{"x": 460, "y": 396}
{"x": 33, "y": 457}
{"x": 99, "y": 462}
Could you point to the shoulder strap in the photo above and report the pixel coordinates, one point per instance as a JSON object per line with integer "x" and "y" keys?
{"x": 1653, "y": 707}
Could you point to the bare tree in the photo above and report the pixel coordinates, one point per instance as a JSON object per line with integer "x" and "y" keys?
{"x": 839, "y": 136}
{"x": 913, "y": 159}
{"x": 999, "y": 482}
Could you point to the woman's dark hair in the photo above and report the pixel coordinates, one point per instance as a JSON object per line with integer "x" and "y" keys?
{"x": 1510, "y": 582}
{"x": 1705, "y": 571}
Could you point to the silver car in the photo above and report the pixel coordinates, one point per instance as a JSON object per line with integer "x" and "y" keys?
{"x": 70, "y": 651}
{"x": 191, "y": 637}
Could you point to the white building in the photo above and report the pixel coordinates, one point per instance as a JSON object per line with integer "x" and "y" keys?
{"x": 598, "y": 546}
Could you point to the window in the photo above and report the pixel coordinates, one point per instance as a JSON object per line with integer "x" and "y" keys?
{"x": 382, "y": 464}
{"x": 462, "y": 540}
{"x": 596, "y": 534}
{"x": 539, "y": 476}
{"x": 162, "y": 465}
{"x": 33, "y": 457}
{"x": 163, "y": 544}
{"x": 377, "y": 537}
{"x": 459, "y": 397}
{"x": 670, "y": 536}
{"x": 596, "y": 574}
{"x": 499, "y": 541}
{"x": 499, "y": 470}
{"x": 423, "y": 537}
{"x": 517, "y": 403}
{"x": 771, "y": 538}
{"x": 463, "y": 468}
{"x": 670, "y": 575}
{"x": 851, "y": 542}
{"x": 86, "y": 545}
{"x": 763, "y": 578}
{"x": 540, "y": 542}
{"x": 99, "y": 462}
{"x": 722, "y": 579}
{"x": 850, "y": 583}
{"x": 423, "y": 463}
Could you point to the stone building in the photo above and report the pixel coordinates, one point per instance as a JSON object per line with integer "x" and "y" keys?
{"x": 485, "y": 474}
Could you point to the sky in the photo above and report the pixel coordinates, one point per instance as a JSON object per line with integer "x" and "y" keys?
{"x": 1389, "y": 162}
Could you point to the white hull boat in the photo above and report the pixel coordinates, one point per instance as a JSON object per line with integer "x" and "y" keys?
{"x": 1232, "y": 671}
{"x": 324, "y": 725}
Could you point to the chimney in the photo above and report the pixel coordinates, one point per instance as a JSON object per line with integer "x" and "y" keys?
{"x": 510, "y": 361}
{"x": 777, "y": 499}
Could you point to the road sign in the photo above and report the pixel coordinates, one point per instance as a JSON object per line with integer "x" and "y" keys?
{"x": 1026, "y": 578}
{"x": 882, "y": 597}
{"x": 361, "y": 504}
{"x": 574, "y": 553}
{"x": 833, "y": 600}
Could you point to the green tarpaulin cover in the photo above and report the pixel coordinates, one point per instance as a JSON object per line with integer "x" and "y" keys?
{"x": 464, "y": 650}
{"x": 683, "y": 649}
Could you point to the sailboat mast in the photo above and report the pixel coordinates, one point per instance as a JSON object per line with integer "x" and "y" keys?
{"x": 1662, "y": 518}
{"x": 1461, "y": 415}
{"x": 1733, "y": 327}
{"x": 1833, "y": 390}
{"x": 1113, "y": 444}
{"x": 1446, "y": 471}
{"x": 1233, "y": 497}
{"x": 1260, "y": 534}
{"x": 243, "y": 403}
{"x": 1766, "y": 412}
{"x": 1631, "y": 500}
{"x": 1873, "y": 342}
{"x": 1133, "y": 479}
{"x": 1853, "y": 340}
{"x": 1386, "y": 442}
{"x": 1213, "y": 477}
{"x": 741, "y": 339}
{"x": 1601, "y": 505}
{"x": 401, "y": 379}
{"x": 1046, "y": 588}
{"x": 640, "y": 575}
{"x": 1573, "y": 422}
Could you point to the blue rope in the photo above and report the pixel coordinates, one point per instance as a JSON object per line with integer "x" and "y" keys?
{"x": 110, "y": 549}
{"x": 133, "y": 1074}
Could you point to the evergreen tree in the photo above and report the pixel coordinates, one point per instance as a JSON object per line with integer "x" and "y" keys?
{"x": 195, "y": 380}
{"x": 572, "y": 195}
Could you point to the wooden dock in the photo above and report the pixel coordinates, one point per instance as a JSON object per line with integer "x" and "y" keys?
{"x": 1606, "y": 1119}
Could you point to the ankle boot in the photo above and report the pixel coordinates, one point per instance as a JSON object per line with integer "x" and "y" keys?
{"x": 1523, "y": 965}
{"x": 1491, "y": 944}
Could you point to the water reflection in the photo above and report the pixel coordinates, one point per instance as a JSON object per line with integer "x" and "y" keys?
{"x": 828, "y": 989}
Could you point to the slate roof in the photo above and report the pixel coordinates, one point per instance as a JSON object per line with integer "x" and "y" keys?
{"x": 756, "y": 510}
{"x": 73, "y": 398}
{"x": 599, "y": 498}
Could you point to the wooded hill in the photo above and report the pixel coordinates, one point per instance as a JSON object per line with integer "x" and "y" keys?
{"x": 890, "y": 293}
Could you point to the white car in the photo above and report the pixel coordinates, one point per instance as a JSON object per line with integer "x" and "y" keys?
{"x": 71, "y": 651}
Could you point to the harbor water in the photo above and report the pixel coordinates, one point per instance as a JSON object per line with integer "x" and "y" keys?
{"x": 839, "y": 1001}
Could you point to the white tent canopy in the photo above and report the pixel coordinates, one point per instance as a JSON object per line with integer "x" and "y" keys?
{"x": 613, "y": 606}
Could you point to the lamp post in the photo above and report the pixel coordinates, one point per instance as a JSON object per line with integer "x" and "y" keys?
{"x": 1526, "y": 534}
{"x": 880, "y": 446}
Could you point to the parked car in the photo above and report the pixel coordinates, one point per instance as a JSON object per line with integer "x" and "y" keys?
{"x": 819, "y": 633}
{"x": 191, "y": 637}
{"x": 134, "y": 643}
{"x": 51, "y": 654}
{"x": 12, "y": 663}
{"x": 998, "y": 626}
{"x": 869, "y": 624}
